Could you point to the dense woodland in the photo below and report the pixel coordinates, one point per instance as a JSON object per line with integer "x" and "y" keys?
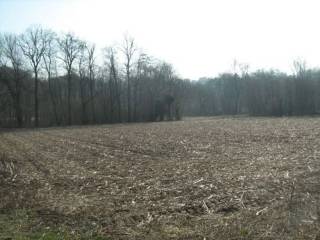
{"x": 48, "y": 79}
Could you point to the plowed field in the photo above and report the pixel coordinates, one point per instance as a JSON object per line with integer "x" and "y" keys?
{"x": 201, "y": 178}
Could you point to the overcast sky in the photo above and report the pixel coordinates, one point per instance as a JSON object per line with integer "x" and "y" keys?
{"x": 199, "y": 37}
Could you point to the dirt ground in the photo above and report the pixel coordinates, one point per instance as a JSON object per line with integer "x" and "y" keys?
{"x": 200, "y": 178}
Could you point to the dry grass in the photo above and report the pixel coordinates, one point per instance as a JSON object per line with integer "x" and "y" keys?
{"x": 202, "y": 178}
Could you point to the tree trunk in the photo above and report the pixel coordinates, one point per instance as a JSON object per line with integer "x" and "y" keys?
{"x": 117, "y": 93}
{"x": 83, "y": 102}
{"x": 135, "y": 100}
{"x": 129, "y": 95}
{"x": 36, "y": 100}
{"x": 92, "y": 97}
{"x": 111, "y": 96}
{"x": 18, "y": 111}
{"x": 69, "y": 98}
{"x": 53, "y": 101}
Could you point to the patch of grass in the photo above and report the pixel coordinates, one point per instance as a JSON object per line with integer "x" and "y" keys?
{"x": 244, "y": 232}
{"x": 24, "y": 225}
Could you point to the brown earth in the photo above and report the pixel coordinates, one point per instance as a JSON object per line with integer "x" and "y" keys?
{"x": 201, "y": 178}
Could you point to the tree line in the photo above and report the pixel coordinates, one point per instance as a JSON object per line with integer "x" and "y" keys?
{"x": 48, "y": 79}
{"x": 260, "y": 93}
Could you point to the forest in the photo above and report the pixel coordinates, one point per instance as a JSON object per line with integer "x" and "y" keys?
{"x": 50, "y": 79}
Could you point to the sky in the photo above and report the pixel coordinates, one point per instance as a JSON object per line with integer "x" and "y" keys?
{"x": 200, "y": 38}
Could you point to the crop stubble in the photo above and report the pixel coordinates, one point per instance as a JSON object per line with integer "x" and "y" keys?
{"x": 193, "y": 179}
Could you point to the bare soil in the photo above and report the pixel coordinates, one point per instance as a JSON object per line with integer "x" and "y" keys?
{"x": 201, "y": 178}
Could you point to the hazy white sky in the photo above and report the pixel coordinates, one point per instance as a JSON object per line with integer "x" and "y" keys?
{"x": 199, "y": 37}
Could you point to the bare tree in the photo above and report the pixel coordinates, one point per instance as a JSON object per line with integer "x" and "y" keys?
{"x": 114, "y": 85}
{"x": 82, "y": 70}
{"x": 50, "y": 65}
{"x": 91, "y": 66}
{"x": 69, "y": 46}
{"x": 12, "y": 53}
{"x": 244, "y": 75}
{"x": 129, "y": 49}
{"x": 304, "y": 89}
{"x": 142, "y": 61}
{"x": 1, "y": 51}
{"x": 236, "y": 86}
{"x": 33, "y": 45}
